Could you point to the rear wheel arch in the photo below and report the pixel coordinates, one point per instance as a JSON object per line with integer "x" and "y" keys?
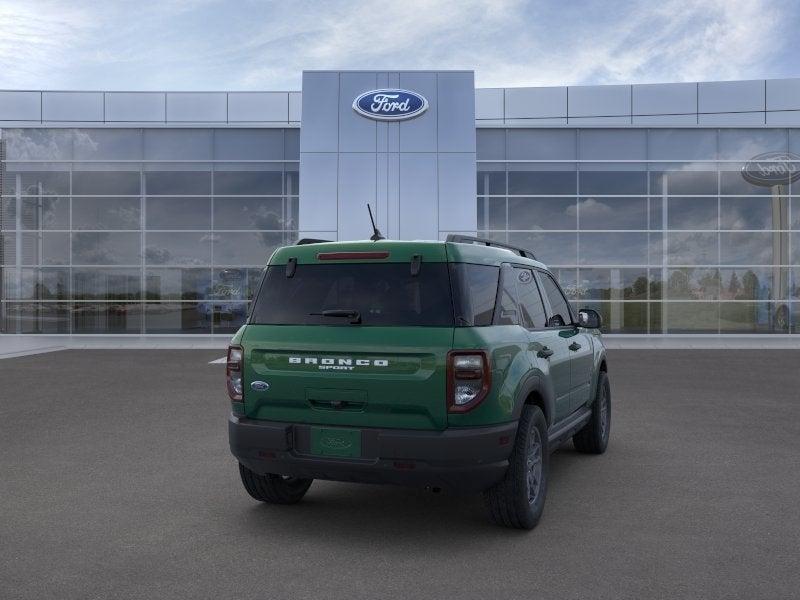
{"x": 533, "y": 392}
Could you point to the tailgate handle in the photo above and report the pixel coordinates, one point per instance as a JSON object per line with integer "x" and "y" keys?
{"x": 337, "y": 404}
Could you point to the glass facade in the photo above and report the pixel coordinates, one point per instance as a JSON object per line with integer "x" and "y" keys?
{"x": 129, "y": 231}
{"x": 656, "y": 229}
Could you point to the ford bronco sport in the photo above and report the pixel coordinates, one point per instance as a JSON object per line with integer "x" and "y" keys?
{"x": 457, "y": 365}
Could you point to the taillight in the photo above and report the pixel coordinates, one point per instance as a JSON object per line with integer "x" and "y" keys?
{"x": 468, "y": 379}
{"x": 233, "y": 372}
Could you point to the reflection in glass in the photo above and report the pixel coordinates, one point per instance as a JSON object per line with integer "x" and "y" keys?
{"x": 751, "y": 213}
{"x": 693, "y": 284}
{"x": 249, "y": 213}
{"x": 36, "y": 183}
{"x": 683, "y": 182}
{"x": 747, "y": 248}
{"x": 613, "y": 284}
{"x": 695, "y": 248}
{"x": 621, "y": 317}
{"x": 249, "y": 182}
{"x": 754, "y": 317}
{"x": 492, "y": 213}
{"x": 33, "y": 317}
{"x": 732, "y": 182}
{"x": 40, "y": 284}
{"x": 106, "y": 248}
{"x": 611, "y": 183}
{"x": 177, "y": 317}
{"x": 112, "y": 183}
{"x": 491, "y": 182}
{"x": 692, "y": 213}
{"x": 44, "y": 212}
{"x": 106, "y": 284}
{"x": 528, "y": 182}
{"x": 177, "y": 284}
{"x": 752, "y": 283}
{"x": 48, "y": 248}
{"x": 549, "y": 248}
{"x": 177, "y": 183}
{"x": 228, "y": 317}
{"x": 106, "y": 213}
{"x": 107, "y": 317}
{"x": 613, "y": 249}
{"x": 691, "y": 317}
{"x": 178, "y": 248}
{"x": 612, "y": 213}
{"x": 536, "y": 214}
{"x": 178, "y": 213}
{"x": 239, "y": 249}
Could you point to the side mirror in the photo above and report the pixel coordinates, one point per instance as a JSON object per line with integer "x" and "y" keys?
{"x": 589, "y": 318}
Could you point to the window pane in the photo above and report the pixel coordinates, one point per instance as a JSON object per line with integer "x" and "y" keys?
{"x": 542, "y": 213}
{"x": 750, "y": 213}
{"x": 559, "y": 308}
{"x": 248, "y": 144}
{"x": 754, "y": 283}
{"x": 491, "y": 182}
{"x": 178, "y": 317}
{"x": 45, "y": 212}
{"x": 740, "y": 248}
{"x": 234, "y": 284}
{"x": 612, "y": 213}
{"x": 522, "y": 182}
{"x": 732, "y": 182}
{"x": 8, "y": 214}
{"x": 228, "y": 317}
{"x": 490, "y": 144}
{"x": 239, "y": 249}
{"x": 530, "y": 301}
{"x": 178, "y": 248}
{"x": 682, "y": 144}
{"x": 38, "y": 144}
{"x": 753, "y": 317}
{"x": 249, "y": 213}
{"x": 248, "y": 182}
{"x": 613, "y": 284}
{"x": 108, "y": 144}
{"x": 178, "y": 284}
{"x": 692, "y": 249}
{"x": 106, "y": 248}
{"x": 508, "y": 307}
{"x": 38, "y": 284}
{"x": 612, "y": 144}
{"x": 474, "y": 293}
{"x": 550, "y": 248}
{"x": 106, "y": 213}
{"x": 178, "y": 213}
{"x": 291, "y": 144}
{"x": 541, "y": 144}
{"x": 613, "y": 249}
{"x": 492, "y": 213}
{"x": 117, "y": 183}
{"x": 107, "y": 317}
{"x": 177, "y": 183}
{"x": 683, "y": 183}
{"x": 106, "y": 284}
{"x": 178, "y": 144}
{"x": 621, "y": 317}
{"x": 692, "y": 213}
{"x": 746, "y": 143}
{"x": 45, "y": 248}
{"x": 691, "y": 317}
{"x": 36, "y": 183}
{"x": 31, "y": 317}
{"x": 613, "y": 182}
{"x": 693, "y": 284}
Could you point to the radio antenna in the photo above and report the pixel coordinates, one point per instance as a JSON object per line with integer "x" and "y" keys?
{"x": 376, "y": 235}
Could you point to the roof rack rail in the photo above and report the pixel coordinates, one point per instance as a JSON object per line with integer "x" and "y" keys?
{"x": 305, "y": 241}
{"x": 468, "y": 239}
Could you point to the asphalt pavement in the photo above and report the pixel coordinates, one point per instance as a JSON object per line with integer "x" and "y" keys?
{"x": 116, "y": 482}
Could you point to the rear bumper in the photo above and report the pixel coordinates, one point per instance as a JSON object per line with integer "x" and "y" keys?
{"x": 469, "y": 459}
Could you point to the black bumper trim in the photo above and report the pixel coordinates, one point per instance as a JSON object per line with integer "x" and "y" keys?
{"x": 457, "y": 458}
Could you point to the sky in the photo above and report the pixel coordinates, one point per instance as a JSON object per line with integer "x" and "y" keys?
{"x": 264, "y": 45}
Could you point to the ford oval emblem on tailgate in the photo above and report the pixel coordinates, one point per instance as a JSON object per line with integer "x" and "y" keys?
{"x": 259, "y": 386}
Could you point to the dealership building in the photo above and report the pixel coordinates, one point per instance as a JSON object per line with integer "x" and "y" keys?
{"x": 672, "y": 209}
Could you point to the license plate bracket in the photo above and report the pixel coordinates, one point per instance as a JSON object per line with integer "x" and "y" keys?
{"x": 338, "y": 442}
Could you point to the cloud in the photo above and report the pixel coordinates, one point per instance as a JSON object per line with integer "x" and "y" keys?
{"x": 211, "y": 44}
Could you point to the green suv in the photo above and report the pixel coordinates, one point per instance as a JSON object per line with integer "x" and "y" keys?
{"x": 456, "y": 365}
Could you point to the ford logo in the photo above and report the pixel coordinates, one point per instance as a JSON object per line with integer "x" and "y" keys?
{"x": 772, "y": 168}
{"x": 259, "y": 386}
{"x": 390, "y": 105}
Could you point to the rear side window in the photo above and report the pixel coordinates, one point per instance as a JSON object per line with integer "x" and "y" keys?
{"x": 530, "y": 301}
{"x": 474, "y": 293}
{"x": 384, "y": 294}
{"x": 560, "y": 314}
{"x": 507, "y": 301}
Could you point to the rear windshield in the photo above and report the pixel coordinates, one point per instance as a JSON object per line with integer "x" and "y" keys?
{"x": 384, "y": 294}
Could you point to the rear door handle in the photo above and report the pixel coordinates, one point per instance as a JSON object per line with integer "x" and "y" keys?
{"x": 574, "y": 346}
{"x": 545, "y": 352}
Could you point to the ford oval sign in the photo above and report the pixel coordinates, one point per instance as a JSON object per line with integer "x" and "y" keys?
{"x": 772, "y": 168}
{"x": 390, "y": 105}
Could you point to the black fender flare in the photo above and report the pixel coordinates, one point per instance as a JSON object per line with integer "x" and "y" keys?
{"x": 536, "y": 382}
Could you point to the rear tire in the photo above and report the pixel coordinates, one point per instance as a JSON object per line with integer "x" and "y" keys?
{"x": 593, "y": 438}
{"x": 274, "y": 489}
{"x": 518, "y": 500}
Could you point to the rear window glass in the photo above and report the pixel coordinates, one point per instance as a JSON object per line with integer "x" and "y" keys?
{"x": 474, "y": 293}
{"x": 384, "y": 294}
